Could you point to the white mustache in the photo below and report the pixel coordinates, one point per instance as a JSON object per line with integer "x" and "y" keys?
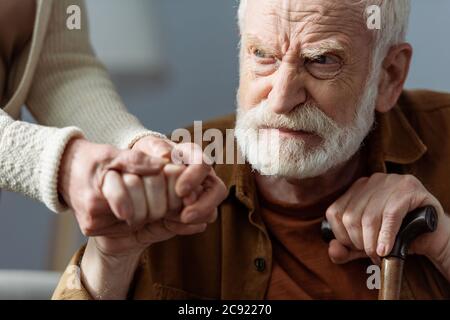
{"x": 307, "y": 117}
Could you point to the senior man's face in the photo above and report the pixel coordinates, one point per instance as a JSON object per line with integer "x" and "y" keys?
{"x": 305, "y": 74}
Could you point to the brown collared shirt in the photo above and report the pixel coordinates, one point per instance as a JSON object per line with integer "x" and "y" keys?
{"x": 234, "y": 257}
{"x": 301, "y": 267}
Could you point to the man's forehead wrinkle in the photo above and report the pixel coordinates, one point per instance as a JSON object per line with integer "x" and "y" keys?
{"x": 296, "y": 10}
{"x": 291, "y": 25}
{"x": 292, "y": 20}
{"x": 311, "y": 37}
{"x": 299, "y": 16}
{"x": 309, "y": 27}
{"x": 314, "y": 20}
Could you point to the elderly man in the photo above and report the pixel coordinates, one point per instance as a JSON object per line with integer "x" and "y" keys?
{"x": 353, "y": 147}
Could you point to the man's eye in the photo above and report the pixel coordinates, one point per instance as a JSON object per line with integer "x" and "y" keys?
{"x": 259, "y": 54}
{"x": 323, "y": 66}
{"x": 324, "y": 59}
{"x": 262, "y": 56}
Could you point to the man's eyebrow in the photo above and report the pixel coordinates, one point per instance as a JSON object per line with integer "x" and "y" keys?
{"x": 323, "y": 47}
{"x": 255, "y": 41}
{"x": 309, "y": 51}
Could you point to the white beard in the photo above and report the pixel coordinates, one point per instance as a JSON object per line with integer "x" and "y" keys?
{"x": 291, "y": 157}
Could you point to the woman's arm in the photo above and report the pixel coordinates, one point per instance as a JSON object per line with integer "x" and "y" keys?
{"x": 30, "y": 156}
{"x": 72, "y": 88}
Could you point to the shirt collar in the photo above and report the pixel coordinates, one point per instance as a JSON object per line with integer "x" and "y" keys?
{"x": 393, "y": 139}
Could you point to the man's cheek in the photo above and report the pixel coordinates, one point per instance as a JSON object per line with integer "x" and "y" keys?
{"x": 253, "y": 91}
{"x": 332, "y": 100}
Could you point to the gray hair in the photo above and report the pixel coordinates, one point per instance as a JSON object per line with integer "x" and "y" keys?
{"x": 395, "y": 19}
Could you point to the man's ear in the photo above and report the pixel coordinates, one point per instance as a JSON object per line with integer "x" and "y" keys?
{"x": 394, "y": 72}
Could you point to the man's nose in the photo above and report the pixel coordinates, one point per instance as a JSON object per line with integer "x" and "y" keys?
{"x": 288, "y": 90}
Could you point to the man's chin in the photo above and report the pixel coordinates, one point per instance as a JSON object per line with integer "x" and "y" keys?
{"x": 294, "y": 169}
{"x": 287, "y": 174}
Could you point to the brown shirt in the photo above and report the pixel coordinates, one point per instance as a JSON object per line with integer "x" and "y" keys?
{"x": 234, "y": 257}
{"x": 301, "y": 267}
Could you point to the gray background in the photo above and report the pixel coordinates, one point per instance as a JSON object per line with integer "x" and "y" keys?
{"x": 199, "y": 79}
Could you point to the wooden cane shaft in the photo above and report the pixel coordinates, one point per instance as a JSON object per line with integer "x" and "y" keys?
{"x": 391, "y": 278}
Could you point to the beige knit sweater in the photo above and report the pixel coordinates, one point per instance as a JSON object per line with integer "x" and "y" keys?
{"x": 68, "y": 91}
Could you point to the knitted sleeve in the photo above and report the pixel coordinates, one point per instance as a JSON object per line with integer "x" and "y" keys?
{"x": 29, "y": 159}
{"x": 72, "y": 88}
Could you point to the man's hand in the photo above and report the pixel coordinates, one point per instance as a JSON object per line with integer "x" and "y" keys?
{"x": 191, "y": 180}
{"x": 112, "y": 259}
{"x": 367, "y": 218}
{"x": 167, "y": 222}
{"x": 191, "y": 188}
{"x": 102, "y": 185}
{"x": 181, "y": 200}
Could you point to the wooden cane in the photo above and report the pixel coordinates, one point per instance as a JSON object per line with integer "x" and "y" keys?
{"x": 416, "y": 223}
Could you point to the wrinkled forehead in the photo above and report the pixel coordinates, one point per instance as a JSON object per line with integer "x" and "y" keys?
{"x": 305, "y": 21}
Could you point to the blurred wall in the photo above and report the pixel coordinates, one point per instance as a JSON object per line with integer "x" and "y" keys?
{"x": 198, "y": 81}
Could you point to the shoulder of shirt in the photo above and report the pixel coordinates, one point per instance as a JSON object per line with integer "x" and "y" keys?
{"x": 428, "y": 112}
{"x": 424, "y": 101}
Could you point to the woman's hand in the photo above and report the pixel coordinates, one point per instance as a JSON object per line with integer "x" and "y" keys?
{"x": 109, "y": 262}
{"x": 102, "y": 185}
{"x": 180, "y": 200}
{"x": 197, "y": 175}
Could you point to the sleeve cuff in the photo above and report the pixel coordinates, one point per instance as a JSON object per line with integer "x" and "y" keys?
{"x": 50, "y": 161}
{"x": 129, "y": 141}
{"x": 70, "y": 286}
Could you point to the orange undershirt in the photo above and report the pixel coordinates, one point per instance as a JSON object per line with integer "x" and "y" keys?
{"x": 302, "y": 268}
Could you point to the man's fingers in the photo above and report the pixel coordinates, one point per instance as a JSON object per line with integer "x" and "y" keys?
{"x": 371, "y": 223}
{"x": 334, "y": 217}
{"x": 214, "y": 193}
{"x": 172, "y": 172}
{"x": 187, "y": 201}
{"x": 119, "y": 229}
{"x": 157, "y": 147}
{"x": 197, "y": 170}
{"x": 184, "y": 229}
{"x": 340, "y": 254}
{"x": 355, "y": 210}
{"x": 152, "y": 233}
{"x": 136, "y": 190}
{"x": 192, "y": 177}
{"x": 338, "y": 210}
{"x": 393, "y": 214}
{"x": 116, "y": 195}
{"x": 164, "y": 229}
{"x": 156, "y": 195}
{"x": 193, "y": 196}
{"x": 213, "y": 216}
